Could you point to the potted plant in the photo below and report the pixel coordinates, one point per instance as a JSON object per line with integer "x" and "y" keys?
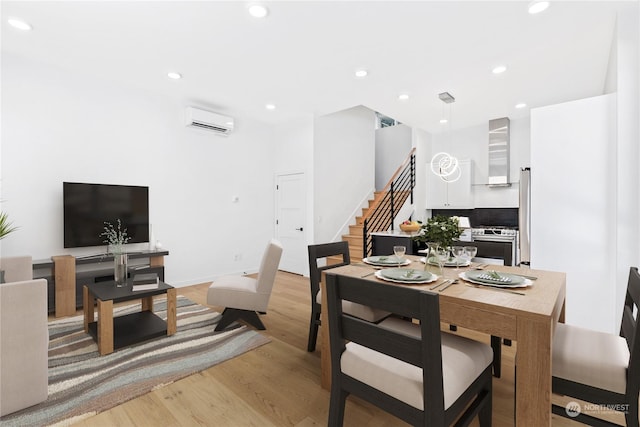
{"x": 116, "y": 238}
{"x": 440, "y": 229}
{"x": 6, "y": 226}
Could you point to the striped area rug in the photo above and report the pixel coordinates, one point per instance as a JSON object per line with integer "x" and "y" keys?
{"x": 82, "y": 383}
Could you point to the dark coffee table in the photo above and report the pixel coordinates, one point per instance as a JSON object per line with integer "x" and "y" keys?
{"x": 112, "y": 333}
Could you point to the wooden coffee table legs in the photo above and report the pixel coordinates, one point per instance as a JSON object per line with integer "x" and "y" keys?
{"x": 172, "y": 325}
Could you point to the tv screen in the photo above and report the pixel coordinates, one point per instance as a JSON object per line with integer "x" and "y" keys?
{"x": 88, "y": 206}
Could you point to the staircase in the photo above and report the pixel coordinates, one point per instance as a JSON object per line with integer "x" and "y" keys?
{"x": 382, "y": 209}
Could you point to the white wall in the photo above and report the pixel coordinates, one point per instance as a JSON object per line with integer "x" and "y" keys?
{"x": 421, "y": 140}
{"x": 393, "y": 144}
{"x": 343, "y": 163}
{"x": 573, "y": 204}
{"x": 626, "y": 67}
{"x": 58, "y": 126}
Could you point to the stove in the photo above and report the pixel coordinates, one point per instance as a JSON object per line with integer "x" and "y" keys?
{"x": 500, "y": 244}
{"x": 494, "y": 234}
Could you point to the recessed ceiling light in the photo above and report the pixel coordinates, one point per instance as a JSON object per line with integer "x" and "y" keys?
{"x": 19, "y": 24}
{"x": 537, "y": 6}
{"x": 258, "y": 10}
{"x": 521, "y": 105}
{"x": 173, "y": 75}
{"x": 270, "y": 107}
{"x": 403, "y": 97}
{"x": 361, "y": 73}
{"x": 499, "y": 69}
{"x": 443, "y": 121}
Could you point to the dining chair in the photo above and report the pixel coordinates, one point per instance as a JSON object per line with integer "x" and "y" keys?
{"x": 413, "y": 371}
{"x": 322, "y": 251}
{"x": 599, "y": 368}
{"x": 244, "y": 297}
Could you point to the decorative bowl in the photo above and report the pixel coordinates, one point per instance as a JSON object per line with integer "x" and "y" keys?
{"x": 409, "y": 227}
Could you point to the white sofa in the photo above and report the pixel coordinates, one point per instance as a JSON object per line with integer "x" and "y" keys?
{"x": 24, "y": 336}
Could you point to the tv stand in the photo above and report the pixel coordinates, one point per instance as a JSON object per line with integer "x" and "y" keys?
{"x": 67, "y": 275}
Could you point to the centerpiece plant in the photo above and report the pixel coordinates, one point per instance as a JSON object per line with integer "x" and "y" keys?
{"x": 439, "y": 229}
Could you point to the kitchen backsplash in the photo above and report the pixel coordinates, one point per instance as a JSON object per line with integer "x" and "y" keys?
{"x": 506, "y": 217}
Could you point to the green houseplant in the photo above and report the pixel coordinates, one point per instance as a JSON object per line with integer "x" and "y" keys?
{"x": 439, "y": 229}
{"x": 6, "y": 226}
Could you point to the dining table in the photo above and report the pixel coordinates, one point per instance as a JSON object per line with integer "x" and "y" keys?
{"x": 527, "y": 315}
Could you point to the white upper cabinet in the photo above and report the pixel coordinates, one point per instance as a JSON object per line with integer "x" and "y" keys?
{"x": 450, "y": 195}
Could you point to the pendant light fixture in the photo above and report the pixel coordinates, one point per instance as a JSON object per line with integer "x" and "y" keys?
{"x": 443, "y": 164}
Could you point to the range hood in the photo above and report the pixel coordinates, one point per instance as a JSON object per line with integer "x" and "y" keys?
{"x": 499, "y": 152}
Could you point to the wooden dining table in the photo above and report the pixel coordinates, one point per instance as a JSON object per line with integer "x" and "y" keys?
{"x": 527, "y": 317}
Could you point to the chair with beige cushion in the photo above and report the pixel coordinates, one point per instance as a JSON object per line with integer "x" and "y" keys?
{"x": 322, "y": 252}
{"x": 244, "y": 297}
{"x": 24, "y": 336}
{"x": 600, "y": 368}
{"x": 413, "y": 371}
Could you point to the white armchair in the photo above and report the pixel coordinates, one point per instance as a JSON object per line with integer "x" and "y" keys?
{"x": 244, "y": 297}
{"x": 24, "y": 336}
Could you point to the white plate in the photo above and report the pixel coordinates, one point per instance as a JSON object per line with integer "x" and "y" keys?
{"x": 446, "y": 264}
{"x": 387, "y": 264}
{"x": 524, "y": 284}
{"x": 433, "y": 278}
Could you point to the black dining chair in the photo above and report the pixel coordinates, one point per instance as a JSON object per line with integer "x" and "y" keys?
{"x": 599, "y": 368}
{"x": 323, "y": 251}
{"x": 413, "y": 371}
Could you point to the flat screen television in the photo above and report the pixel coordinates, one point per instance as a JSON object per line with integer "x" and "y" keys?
{"x": 88, "y": 206}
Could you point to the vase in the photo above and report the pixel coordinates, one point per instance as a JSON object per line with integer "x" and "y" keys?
{"x": 431, "y": 255}
{"x": 120, "y": 261}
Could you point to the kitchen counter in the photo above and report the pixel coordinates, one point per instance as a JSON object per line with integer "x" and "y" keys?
{"x": 384, "y": 241}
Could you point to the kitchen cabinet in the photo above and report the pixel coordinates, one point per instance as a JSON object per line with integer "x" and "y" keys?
{"x": 450, "y": 195}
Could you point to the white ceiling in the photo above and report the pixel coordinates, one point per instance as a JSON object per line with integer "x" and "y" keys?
{"x": 302, "y": 57}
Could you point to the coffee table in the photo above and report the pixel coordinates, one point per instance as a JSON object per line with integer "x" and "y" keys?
{"x": 112, "y": 333}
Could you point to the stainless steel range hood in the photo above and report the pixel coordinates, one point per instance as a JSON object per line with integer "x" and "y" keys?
{"x": 499, "y": 152}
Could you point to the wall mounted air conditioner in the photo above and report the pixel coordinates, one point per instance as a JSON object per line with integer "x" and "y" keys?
{"x": 202, "y": 119}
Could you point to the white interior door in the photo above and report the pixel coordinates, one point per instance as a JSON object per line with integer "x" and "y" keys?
{"x": 290, "y": 222}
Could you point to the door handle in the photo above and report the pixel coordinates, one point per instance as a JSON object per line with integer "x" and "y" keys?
{"x": 299, "y": 229}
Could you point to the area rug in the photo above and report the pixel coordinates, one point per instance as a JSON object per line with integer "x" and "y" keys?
{"x": 82, "y": 383}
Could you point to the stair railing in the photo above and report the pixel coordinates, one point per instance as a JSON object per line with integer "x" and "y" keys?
{"x": 381, "y": 214}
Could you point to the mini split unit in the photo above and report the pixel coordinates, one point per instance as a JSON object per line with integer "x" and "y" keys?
{"x": 213, "y": 122}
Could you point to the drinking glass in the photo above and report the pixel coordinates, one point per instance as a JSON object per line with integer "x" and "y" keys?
{"x": 399, "y": 253}
{"x": 442, "y": 255}
{"x": 470, "y": 252}
{"x": 458, "y": 253}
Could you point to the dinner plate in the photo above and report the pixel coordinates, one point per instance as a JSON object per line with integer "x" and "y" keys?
{"x": 506, "y": 280}
{"x": 406, "y": 275}
{"x": 450, "y": 263}
{"x": 385, "y": 260}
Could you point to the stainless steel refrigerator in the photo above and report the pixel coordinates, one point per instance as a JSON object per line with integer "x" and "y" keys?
{"x": 524, "y": 217}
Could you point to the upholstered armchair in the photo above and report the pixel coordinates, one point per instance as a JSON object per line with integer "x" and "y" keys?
{"x": 244, "y": 297}
{"x": 24, "y": 336}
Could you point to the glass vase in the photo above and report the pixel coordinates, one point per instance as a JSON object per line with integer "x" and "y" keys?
{"x": 431, "y": 260}
{"x": 120, "y": 261}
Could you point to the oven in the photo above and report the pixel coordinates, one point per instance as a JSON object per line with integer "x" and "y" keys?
{"x": 496, "y": 245}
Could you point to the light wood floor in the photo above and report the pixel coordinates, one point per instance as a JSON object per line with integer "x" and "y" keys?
{"x": 277, "y": 384}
